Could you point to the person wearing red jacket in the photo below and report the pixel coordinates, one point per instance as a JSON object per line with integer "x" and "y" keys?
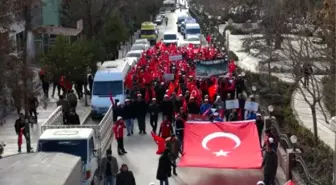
{"x": 118, "y": 130}
{"x": 166, "y": 128}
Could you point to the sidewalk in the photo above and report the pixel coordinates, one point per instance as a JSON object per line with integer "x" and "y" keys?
{"x": 9, "y": 137}
{"x": 303, "y": 113}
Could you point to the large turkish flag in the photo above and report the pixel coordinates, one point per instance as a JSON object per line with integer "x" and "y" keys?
{"x": 233, "y": 145}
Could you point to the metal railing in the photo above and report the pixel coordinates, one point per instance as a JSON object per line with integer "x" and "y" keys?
{"x": 54, "y": 119}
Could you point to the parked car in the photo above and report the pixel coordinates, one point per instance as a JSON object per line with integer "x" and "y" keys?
{"x": 158, "y": 19}
{"x": 134, "y": 54}
{"x": 139, "y": 47}
{"x": 142, "y": 41}
{"x": 170, "y": 38}
{"x": 192, "y": 39}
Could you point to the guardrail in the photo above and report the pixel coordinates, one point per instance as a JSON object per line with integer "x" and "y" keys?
{"x": 54, "y": 119}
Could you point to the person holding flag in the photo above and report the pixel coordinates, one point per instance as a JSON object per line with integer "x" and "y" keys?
{"x": 118, "y": 130}
{"x": 165, "y": 128}
{"x": 206, "y": 108}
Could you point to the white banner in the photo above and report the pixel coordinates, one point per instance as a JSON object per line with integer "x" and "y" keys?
{"x": 252, "y": 106}
{"x": 175, "y": 57}
{"x": 231, "y": 104}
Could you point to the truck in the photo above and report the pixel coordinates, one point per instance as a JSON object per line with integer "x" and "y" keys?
{"x": 41, "y": 168}
{"x": 87, "y": 141}
{"x": 149, "y": 32}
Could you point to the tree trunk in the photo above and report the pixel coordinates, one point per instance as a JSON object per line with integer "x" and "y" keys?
{"x": 313, "y": 110}
{"x": 25, "y": 58}
{"x": 90, "y": 21}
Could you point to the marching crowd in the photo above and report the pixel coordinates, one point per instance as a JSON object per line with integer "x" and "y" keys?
{"x": 181, "y": 98}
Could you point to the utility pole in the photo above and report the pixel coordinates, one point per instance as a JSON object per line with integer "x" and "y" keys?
{"x": 25, "y": 68}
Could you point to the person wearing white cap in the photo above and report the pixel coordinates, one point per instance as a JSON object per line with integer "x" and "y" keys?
{"x": 206, "y": 108}
{"x": 118, "y": 129}
{"x": 167, "y": 108}
{"x": 128, "y": 110}
{"x": 153, "y": 110}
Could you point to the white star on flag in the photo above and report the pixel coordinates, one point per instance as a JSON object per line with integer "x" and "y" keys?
{"x": 221, "y": 153}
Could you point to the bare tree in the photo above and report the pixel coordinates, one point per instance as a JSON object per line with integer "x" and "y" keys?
{"x": 326, "y": 20}
{"x": 93, "y": 12}
{"x": 310, "y": 59}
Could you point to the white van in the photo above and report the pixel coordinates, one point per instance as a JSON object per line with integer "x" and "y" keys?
{"x": 108, "y": 81}
{"x": 170, "y": 38}
{"x": 192, "y": 29}
{"x": 78, "y": 142}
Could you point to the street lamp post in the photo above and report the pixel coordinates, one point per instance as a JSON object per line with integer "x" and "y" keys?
{"x": 333, "y": 123}
{"x": 268, "y": 122}
{"x": 293, "y": 139}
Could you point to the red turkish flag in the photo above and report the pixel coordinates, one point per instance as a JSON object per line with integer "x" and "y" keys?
{"x": 290, "y": 182}
{"x": 161, "y": 143}
{"x": 231, "y": 145}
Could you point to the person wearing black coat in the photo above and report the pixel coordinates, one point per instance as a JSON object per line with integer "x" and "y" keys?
{"x": 125, "y": 177}
{"x": 141, "y": 110}
{"x": 240, "y": 84}
{"x": 167, "y": 108}
{"x": 128, "y": 116}
{"x": 193, "y": 108}
{"x": 164, "y": 168}
{"x": 270, "y": 164}
{"x": 178, "y": 103}
{"x": 153, "y": 111}
{"x": 260, "y": 126}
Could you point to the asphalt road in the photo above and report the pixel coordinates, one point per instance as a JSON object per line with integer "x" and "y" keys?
{"x": 143, "y": 161}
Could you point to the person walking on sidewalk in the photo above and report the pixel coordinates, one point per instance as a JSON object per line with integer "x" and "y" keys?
{"x": 154, "y": 110}
{"x": 19, "y": 129}
{"x": 109, "y": 169}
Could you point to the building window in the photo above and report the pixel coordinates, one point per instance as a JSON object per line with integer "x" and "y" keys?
{"x": 20, "y": 41}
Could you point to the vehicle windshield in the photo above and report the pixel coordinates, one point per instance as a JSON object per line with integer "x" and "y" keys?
{"x": 73, "y": 147}
{"x": 136, "y": 55}
{"x": 107, "y": 88}
{"x": 170, "y": 37}
{"x": 147, "y": 32}
{"x": 193, "y": 39}
{"x": 181, "y": 19}
{"x": 140, "y": 42}
{"x": 138, "y": 47}
{"x": 193, "y": 31}
{"x": 159, "y": 17}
